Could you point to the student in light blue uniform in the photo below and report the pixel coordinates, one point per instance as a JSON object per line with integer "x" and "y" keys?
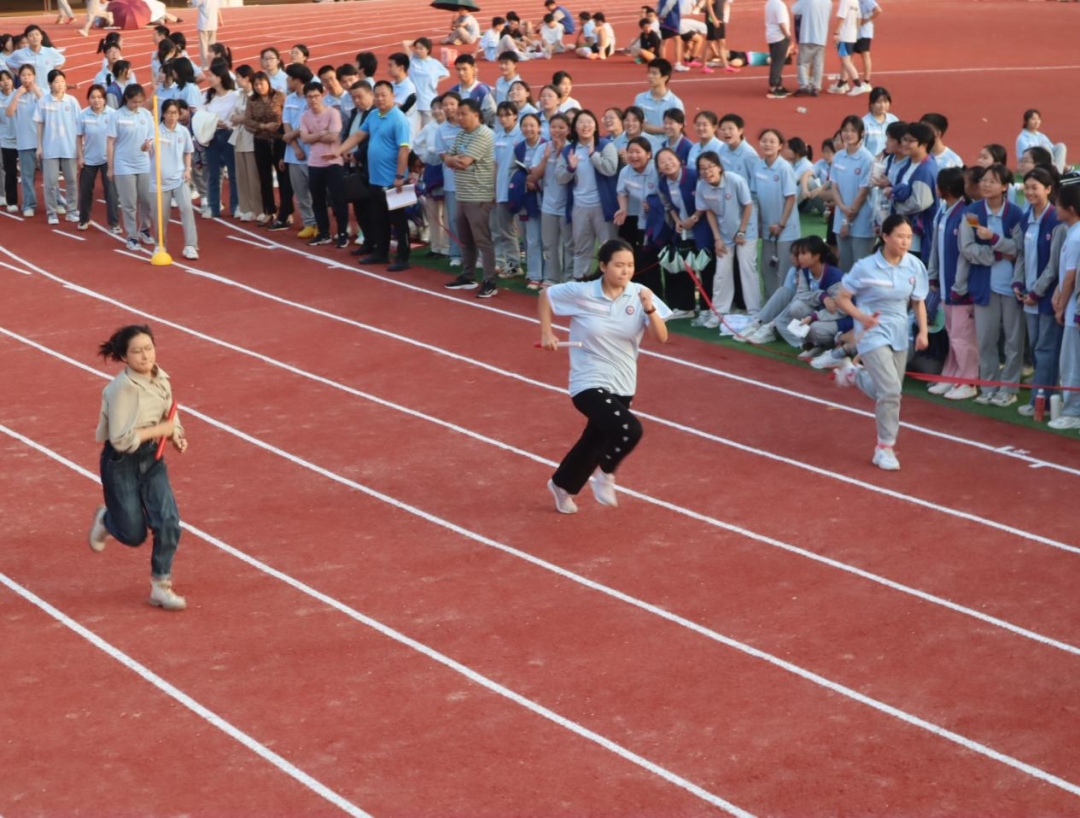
{"x": 57, "y": 117}
{"x": 726, "y": 201}
{"x": 20, "y": 110}
{"x": 589, "y": 165}
{"x": 850, "y": 178}
{"x": 527, "y": 153}
{"x": 608, "y": 317}
{"x": 884, "y": 283}
{"x": 93, "y": 159}
{"x": 42, "y": 57}
{"x": 1032, "y": 137}
{"x": 988, "y": 250}
{"x": 1068, "y": 208}
{"x": 1035, "y": 277}
{"x": 176, "y": 151}
{"x": 295, "y": 156}
{"x": 405, "y": 93}
{"x": 554, "y": 227}
{"x": 878, "y": 119}
{"x": 9, "y": 146}
{"x": 776, "y": 191}
{"x": 270, "y": 58}
{"x": 705, "y": 126}
{"x": 655, "y": 102}
{"x": 130, "y": 133}
{"x": 445, "y": 136}
{"x": 504, "y": 233}
{"x": 638, "y": 180}
{"x": 426, "y": 73}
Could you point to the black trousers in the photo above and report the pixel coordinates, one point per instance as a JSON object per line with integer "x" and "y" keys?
{"x": 777, "y": 54}
{"x": 381, "y": 220}
{"x": 328, "y": 185}
{"x": 87, "y": 177}
{"x": 285, "y": 194}
{"x": 11, "y": 175}
{"x": 611, "y": 434}
{"x": 264, "y": 162}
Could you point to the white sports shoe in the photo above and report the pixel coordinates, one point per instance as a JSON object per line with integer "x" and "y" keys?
{"x": 961, "y": 392}
{"x": 163, "y": 596}
{"x": 72, "y": 217}
{"x": 98, "y": 532}
{"x": 603, "y": 488}
{"x": 885, "y": 458}
{"x": 747, "y": 332}
{"x": 54, "y": 219}
{"x": 939, "y": 388}
{"x": 1065, "y": 422}
{"x": 846, "y": 373}
{"x": 191, "y": 253}
{"x": 764, "y": 335}
{"x": 564, "y": 502}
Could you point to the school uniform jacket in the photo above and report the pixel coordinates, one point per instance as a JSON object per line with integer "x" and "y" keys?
{"x": 917, "y": 199}
{"x": 953, "y": 259}
{"x": 524, "y": 202}
{"x": 974, "y": 277}
{"x": 659, "y": 229}
{"x": 1051, "y": 237}
{"x": 605, "y": 161}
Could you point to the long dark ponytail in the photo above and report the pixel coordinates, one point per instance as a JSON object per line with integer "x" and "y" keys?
{"x": 115, "y": 349}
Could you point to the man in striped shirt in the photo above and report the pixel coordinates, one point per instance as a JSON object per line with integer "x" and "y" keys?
{"x": 472, "y": 161}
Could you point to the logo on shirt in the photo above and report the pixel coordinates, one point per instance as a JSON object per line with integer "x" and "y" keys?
{"x": 727, "y": 196}
{"x": 911, "y": 281}
{"x": 776, "y": 178}
{"x": 858, "y": 171}
{"x": 630, "y": 310}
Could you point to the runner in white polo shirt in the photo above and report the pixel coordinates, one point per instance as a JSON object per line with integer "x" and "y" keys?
{"x": 609, "y": 315}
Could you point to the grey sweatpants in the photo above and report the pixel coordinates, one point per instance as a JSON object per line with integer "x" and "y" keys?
{"x": 182, "y": 197}
{"x": 852, "y": 249}
{"x": 556, "y": 237}
{"x": 589, "y": 227}
{"x": 811, "y": 57}
{"x": 51, "y": 171}
{"x": 1002, "y": 312}
{"x": 474, "y": 232}
{"x": 1070, "y": 370}
{"x": 772, "y": 273}
{"x": 882, "y": 379}
{"x": 504, "y": 234}
{"x": 133, "y": 190}
{"x": 301, "y": 187}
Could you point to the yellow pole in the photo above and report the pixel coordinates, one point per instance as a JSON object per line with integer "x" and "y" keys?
{"x": 160, "y": 257}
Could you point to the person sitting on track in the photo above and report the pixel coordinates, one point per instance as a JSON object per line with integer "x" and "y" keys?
{"x": 464, "y": 29}
{"x": 609, "y": 315}
{"x": 135, "y": 409}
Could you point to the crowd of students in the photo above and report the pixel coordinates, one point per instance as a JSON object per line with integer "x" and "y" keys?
{"x": 516, "y": 180}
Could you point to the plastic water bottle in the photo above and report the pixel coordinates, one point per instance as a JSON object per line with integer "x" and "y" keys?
{"x": 1040, "y": 408}
{"x": 1055, "y": 407}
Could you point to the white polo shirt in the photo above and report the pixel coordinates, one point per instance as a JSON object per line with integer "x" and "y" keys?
{"x": 609, "y": 331}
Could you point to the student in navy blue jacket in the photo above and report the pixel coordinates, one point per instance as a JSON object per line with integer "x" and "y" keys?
{"x": 989, "y": 236}
{"x": 915, "y": 193}
{"x": 1035, "y": 277}
{"x": 673, "y": 220}
{"x": 962, "y": 362}
{"x": 589, "y": 164}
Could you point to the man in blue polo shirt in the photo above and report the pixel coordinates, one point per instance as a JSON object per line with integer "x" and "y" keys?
{"x": 388, "y": 135}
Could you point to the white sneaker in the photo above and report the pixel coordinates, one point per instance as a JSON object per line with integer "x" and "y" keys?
{"x": 1002, "y": 399}
{"x": 681, "y": 68}
{"x": 564, "y": 502}
{"x": 764, "y": 335}
{"x": 829, "y": 359}
{"x": 985, "y": 398}
{"x": 961, "y": 392}
{"x": 28, "y": 214}
{"x": 1065, "y": 422}
{"x": 748, "y": 331}
{"x": 191, "y": 253}
{"x": 809, "y": 354}
{"x": 163, "y": 596}
{"x": 1027, "y": 410}
{"x": 12, "y": 208}
{"x": 603, "y": 488}
{"x": 939, "y": 388}
{"x": 98, "y": 532}
{"x": 455, "y": 262}
{"x": 262, "y": 218}
{"x": 712, "y": 321}
{"x": 247, "y": 217}
{"x": 206, "y": 214}
{"x": 679, "y": 314}
{"x": 837, "y": 89}
{"x": 885, "y": 458}
{"x": 72, "y": 217}
{"x": 61, "y": 210}
{"x": 54, "y": 220}
{"x": 700, "y": 318}
{"x": 846, "y": 373}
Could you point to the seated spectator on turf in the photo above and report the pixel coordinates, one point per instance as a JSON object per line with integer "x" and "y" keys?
{"x": 561, "y": 16}
{"x": 1032, "y": 137}
{"x": 388, "y": 135}
{"x": 551, "y": 36}
{"x": 646, "y": 46}
{"x": 472, "y": 160}
{"x": 464, "y": 29}
{"x": 586, "y": 36}
{"x": 489, "y": 42}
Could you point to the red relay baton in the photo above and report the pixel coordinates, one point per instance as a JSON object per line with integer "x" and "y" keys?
{"x": 161, "y": 443}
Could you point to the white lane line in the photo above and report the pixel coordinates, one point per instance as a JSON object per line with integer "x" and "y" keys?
{"x": 205, "y": 713}
{"x": 16, "y": 269}
{"x": 790, "y": 667}
{"x": 68, "y": 235}
{"x": 843, "y": 478}
{"x": 475, "y": 304}
{"x": 419, "y": 647}
{"x": 712, "y": 521}
{"x": 11, "y": 216}
{"x": 260, "y": 244}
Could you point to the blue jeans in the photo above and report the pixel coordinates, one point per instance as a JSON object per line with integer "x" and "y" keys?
{"x": 450, "y": 205}
{"x": 534, "y": 248}
{"x": 28, "y": 171}
{"x": 218, "y": 153}
{"x": 1044, "y": 334}
{"x": 138, "y": 496}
